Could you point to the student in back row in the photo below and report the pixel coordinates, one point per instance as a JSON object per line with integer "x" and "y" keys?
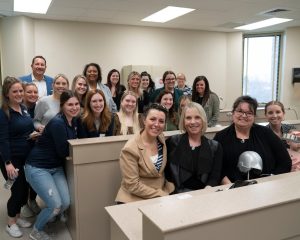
{"x": 38, "y": 77}
{"x": 169, "y": 79}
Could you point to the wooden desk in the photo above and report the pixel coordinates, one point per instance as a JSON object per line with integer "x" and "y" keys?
{"x": 170, "y": 217}
{"x": 94, "y": 178}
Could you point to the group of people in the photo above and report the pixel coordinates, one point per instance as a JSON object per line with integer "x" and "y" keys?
{"x": 39, "y": 114}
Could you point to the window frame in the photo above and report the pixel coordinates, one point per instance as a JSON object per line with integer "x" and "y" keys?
{"x": 275, "y": 87}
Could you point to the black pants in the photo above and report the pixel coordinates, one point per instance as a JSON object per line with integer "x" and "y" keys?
{"x": 19, "y": 191}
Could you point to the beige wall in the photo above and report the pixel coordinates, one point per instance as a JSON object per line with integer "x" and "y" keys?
{"x": 68, "y": 46}
{"x": 290, "y": 94}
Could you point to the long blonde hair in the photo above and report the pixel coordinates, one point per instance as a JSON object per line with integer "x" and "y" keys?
{"x": 135, "y": 117}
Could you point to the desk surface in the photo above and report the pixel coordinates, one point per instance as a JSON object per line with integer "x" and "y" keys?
{"x": 129, "y": 218}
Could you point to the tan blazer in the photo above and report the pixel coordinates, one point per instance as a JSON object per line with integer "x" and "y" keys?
{"x": 140, "y": 179}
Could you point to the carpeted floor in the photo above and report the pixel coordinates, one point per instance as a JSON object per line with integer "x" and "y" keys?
{"x": 57, "y": 230}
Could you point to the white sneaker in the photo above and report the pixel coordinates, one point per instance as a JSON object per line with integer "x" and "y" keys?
{"x": 14, "y": 231}
{"x": 26, "y": 211}
{"x": 23, "y": 223}
{"x": 34, "y": 206}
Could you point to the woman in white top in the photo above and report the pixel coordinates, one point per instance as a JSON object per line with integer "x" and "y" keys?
{"x": 47, "y": 107}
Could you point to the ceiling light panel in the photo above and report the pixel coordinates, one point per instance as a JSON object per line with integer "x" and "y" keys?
{"x": 32, "y": 6}
{"x": 167, "y": 14}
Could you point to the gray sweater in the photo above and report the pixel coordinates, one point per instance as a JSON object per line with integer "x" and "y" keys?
{"x": 46, "y": 108}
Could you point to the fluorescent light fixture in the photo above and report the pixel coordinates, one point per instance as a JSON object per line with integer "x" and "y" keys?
{"x": 32, "y": 6}
{"x": 264, "y": 23}
{"x": 167, "y": 14}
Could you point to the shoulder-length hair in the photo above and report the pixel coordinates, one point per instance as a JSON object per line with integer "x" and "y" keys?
{"x": 137, "y": 91}
{"x": 151, "y": 86}
{"x": 64, "y": 97}
{"x": 207, "y": 90}
{"x": 109, "y": 84}
{"x": 7, "y": 84}
{"x": 201, "y": 112}
{"x": 76, "y": 78}
{"x": 88, "y": 117}
{"x": 171, "y": 111}
{"x": 135, "y": 116}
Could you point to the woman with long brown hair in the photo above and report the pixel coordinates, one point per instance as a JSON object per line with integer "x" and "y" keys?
{"x": 96, "y": 120}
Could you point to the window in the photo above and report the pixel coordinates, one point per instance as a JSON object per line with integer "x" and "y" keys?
{"x": 261, "y": 67}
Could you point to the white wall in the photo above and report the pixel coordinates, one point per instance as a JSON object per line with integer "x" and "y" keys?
{"x": 68, "y": 46}
{"x": 290, "y": 94}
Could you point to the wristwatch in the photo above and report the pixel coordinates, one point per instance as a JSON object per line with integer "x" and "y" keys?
{"x": 7, "y": 162}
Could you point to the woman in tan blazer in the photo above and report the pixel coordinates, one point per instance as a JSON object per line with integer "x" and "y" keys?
{"x": 143, "y": 160}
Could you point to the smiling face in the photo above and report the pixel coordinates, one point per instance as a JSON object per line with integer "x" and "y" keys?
{"x": 274, "y": 114}
{"x": 97, "y": 104}
{"x": 243, "y": 116}
{"x": 38, "y": 67}
{"x": 71, "y": 108}
{"x": 15, "y": 94}
{"x": 167, "y": 100}
{"x": 31, "y": 94}
{"x": 145, "y": 82}
{"x": 60, "y": 85}
{"x": 170, "y": 82}
{"x": 154, "y": 122}
{"x": 193, "y": 122}
{"x": 92, "y": 74}
{"x": 134, "y": 82}
{"x": 200, "y": 87}
{"x": 81, "y": 86}
{"x": 128, "y": 104}
{"x": 114, "y": 78}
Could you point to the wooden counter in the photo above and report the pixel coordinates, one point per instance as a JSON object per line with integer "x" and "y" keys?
{"x": 214, "y": 215}
{"x": 94, "y": 178}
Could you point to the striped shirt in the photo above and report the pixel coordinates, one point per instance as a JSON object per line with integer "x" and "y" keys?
{"x": 159, "y": 157}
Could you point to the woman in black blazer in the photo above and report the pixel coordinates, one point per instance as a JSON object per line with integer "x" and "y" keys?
{"x": 194, "y": 162}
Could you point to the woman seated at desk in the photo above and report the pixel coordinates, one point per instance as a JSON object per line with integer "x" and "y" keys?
{"x": 127, "y": 121}
{"x": 194, "y": 162}
{"x": 244, "y": 135}
{"x": 97, "y": 120}
{"x": 275, "y": 113}
{"x": 143, "y": 160}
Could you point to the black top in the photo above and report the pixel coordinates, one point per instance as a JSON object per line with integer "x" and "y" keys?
{"x": 14, "y": 136}
{"x": 119, "y": 94}
{"x": 143, "y": 101}
{"x": 262, "y": 140}
{"x": 52, "y": 146}
{"x": 193, "y": 169}
{"x": 84, "y": 132}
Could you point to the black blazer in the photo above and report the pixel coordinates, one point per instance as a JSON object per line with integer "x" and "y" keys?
{"x": 209, "y": 165}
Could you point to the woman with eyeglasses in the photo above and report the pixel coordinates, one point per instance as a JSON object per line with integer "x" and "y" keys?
{"x": 244, "y": 135}
{"x": 207, "y": 99}
{"x": 143, "y": 160}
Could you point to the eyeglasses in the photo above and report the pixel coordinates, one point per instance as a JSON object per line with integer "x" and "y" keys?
{"x": 170, "y": 79}
{"x": 241, "y": 113}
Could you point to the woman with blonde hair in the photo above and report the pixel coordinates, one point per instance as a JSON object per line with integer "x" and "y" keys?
{"x": 127, "y": 119}
{"x": 134, "y": 82}
{"x": 194, "y": 161}
{"x": 47, "y": 107}
{"x": 96, "y": 120}
{"x": 80, "y": 88}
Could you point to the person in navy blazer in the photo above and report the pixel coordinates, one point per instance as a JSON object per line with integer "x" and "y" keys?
{"x": 42, "y": 81}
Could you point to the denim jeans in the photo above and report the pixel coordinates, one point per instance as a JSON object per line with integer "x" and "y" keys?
{"x": 51, "y": 186}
